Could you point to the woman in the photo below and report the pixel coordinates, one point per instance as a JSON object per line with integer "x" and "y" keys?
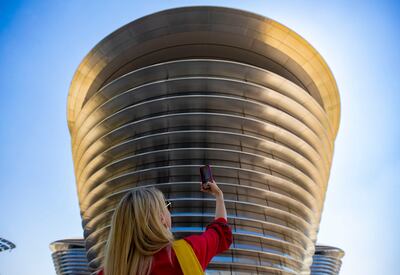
{"x": 140, "y": 241}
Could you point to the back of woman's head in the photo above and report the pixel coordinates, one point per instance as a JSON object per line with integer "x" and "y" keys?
{"x": 137, "y": 233}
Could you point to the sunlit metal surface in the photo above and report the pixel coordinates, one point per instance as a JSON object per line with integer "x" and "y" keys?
{"x": 327, "y": 260}
{"x": 69, "y": 257}
{"x": 169, "y": 92}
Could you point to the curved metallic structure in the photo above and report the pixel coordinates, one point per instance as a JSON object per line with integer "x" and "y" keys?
{"x": 171, "y": 91}
{"x": 6, "y": 245}
{"x": 327, "y": 260}
{"x": 69, "y": 257}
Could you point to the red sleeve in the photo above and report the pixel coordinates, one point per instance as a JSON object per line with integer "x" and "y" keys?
{"x": 101, "y": 272}
{"x": 216, "y": 239}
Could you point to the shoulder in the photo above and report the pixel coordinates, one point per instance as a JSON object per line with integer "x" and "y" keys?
{"x": 215, "y": 239}
{"x": 217, "y": 228}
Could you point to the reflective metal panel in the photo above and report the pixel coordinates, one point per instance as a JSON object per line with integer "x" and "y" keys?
{"x": 327, "y": 260}
{"x": 142, "y": 113}
{"x": 69, "y": 257}
{"x": 6, "y": 245}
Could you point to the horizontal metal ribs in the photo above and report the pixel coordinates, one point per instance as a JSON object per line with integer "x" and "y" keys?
{"x": 327, "y": 260}
{"x": 268, "y": 141}
{"x": 71, "y": 259}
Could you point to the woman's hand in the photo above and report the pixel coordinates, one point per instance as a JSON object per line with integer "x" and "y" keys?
{"x": 212, "y": 188}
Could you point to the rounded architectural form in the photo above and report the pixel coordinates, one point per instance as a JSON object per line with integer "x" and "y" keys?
{"x": 169, "y": 92}
{"x": 327, "y": 260}
{"x": 6, "y": 245}
{"x": 69, "y": 257}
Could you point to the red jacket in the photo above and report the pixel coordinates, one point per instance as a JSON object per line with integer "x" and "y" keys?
{"x": 216, "y": 239}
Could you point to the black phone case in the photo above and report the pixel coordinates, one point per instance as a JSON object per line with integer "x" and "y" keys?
{"x": 206, "y": 174}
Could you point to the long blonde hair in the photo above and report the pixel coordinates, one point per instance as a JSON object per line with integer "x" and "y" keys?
{"x": 137, "y": 233}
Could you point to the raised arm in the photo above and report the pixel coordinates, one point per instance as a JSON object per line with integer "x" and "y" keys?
{"x": 218, "y": 235}
{"x": 220, "y": 210}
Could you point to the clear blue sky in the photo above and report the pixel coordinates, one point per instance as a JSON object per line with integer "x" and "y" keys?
{"x": 42, "y": 43}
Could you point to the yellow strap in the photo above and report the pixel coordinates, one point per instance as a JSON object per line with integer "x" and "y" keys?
{"x": 187, "y": 258}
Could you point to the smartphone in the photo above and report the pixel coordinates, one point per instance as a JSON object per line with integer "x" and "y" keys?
{"x": 206, "y": 176}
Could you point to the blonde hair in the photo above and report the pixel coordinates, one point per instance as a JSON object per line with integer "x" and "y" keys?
{"x": 137, "y": 233}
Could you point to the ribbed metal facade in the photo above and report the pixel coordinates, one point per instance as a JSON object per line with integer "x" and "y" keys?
{"x": 327, "y": 260}
{"x": 175, "y": 90}
{"x": 69, "y": 257}
{"x": 6, "y": 245}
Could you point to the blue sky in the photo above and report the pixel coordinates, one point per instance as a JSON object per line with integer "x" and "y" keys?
{"x": 43, "y": 42}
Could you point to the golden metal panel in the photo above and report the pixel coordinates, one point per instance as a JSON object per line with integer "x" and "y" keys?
{"x": 164, "y": 94}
